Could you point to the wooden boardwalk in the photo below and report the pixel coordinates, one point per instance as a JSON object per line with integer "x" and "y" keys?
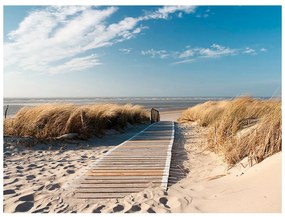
{"x": 140, "y": 162}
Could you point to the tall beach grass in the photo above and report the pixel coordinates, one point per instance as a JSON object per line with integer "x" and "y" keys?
{"x": 53, "y": 120}
{"x": 241, "y": 127}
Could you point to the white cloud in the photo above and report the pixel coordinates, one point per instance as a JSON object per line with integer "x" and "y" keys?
{"x": 125, "y": 50}
{"x": 50, "y": 40}
{"x": 249, "y": 51}
{"x": 189, "y": 54}
{"x": 162, "y": 54}
{"x": 164, "y": 12}
{"x": 216, "y": 51}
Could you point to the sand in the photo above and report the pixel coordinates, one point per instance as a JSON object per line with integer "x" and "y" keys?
{"x": 41, "y": 180}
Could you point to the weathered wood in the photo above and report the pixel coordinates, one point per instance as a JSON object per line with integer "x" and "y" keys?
{"x": 155, "y": 117}
{"x": 6, "y": 111}
{"x": 108, "y": 190}
{"x": 129, "y": 170}
{"x": 139, "y": 178}
{"x": 127, "y": 173}
{"x": 100, "y": 195}
{"x": 121, "y": 181}
{"x": 127, "y": 167}
{"x": 118, "y": 185}
{"x": 141, "y": 162}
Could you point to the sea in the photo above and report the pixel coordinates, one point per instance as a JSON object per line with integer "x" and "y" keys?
{"x": 159, "y": 103}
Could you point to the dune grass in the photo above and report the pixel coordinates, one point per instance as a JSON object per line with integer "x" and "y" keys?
{"x": 53, "y": 120}
{"x": 240, "y": 127}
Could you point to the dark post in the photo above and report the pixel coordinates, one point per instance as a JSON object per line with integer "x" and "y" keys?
{"x": 6, "y": 110}
{"x": 154, "y": 116}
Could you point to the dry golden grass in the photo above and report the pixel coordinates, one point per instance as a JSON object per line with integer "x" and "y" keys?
{"x": 204, "y": 114}
{"x": 240, "y": 127}
{"x": 53, "y": 120}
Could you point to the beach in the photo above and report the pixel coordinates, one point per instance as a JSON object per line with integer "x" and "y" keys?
{"x": 40, "y": 179}
{"x": 142, "y": 108}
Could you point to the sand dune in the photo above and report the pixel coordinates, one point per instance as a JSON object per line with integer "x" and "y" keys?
{"x": 38, "y": 180}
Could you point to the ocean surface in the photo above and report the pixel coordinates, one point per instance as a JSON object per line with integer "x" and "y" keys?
{"x": 160, "y": 103}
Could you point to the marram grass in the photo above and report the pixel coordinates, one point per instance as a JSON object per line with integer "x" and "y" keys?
{"x": 53, "y": 120}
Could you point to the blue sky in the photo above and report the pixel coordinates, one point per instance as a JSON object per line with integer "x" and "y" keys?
{"x": 81, "y": 51}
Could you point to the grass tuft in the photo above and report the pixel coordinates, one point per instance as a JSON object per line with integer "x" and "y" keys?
{"x": 53, "y": 120}
{"x": 240, "y": 127}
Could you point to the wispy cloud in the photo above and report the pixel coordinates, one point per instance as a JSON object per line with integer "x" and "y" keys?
{"x": 162, "y": 54}
{"x": 125, "y": 50}
{"x": 190, "y": 55}
{"x": 249, "y": 51}
{"x": 56, "y": 39}
{"x": 166, "y": 11}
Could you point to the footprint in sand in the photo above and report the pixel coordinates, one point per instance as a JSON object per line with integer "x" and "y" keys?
{"x": 164, "y": 201}
{"x": 19, "y": 167}
{"x": 70, "y": 171}
{"x": 30, "y": 177}
{"x": 40, "y": 188}
{"x": 32, "y": 165}
{"x": 150, "y": 210}
{"x": 28, "y": 197}
{"x": 51, "y": 187}
{"x": 68, "y": 166}
{"x": 118, "y": 208}
{"x": 18, "y": 186}
{"x": 98, "y": 209}
{"x": 134, "y": 208}
{"x": 9, "y": 191}
{"x": 24, "y": 207}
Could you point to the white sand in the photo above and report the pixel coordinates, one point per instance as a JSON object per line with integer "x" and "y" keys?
{"x": 37, "y": 181}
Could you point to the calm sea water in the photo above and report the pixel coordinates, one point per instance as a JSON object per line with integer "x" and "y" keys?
{"x": 160, "y": 103}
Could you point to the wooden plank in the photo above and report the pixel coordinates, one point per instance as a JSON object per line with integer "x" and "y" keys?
{"x": 131, "y": 164}
{"x": 125, "y": 170}
{"x": 141, "y": 162}
{"x": 125, "y": 174}
{"x": 130, "y": 177}
{"x": 120, "y": 181}
{"x": 118, "y": 185}
{"x": 137, "y": 158}
{"x": 108, "y": 190}
{"x": 127, "y": 167}
{"x": 128, "y": 160}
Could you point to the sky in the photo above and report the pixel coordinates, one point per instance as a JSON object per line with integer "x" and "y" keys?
{"x": 117, "y": 51}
